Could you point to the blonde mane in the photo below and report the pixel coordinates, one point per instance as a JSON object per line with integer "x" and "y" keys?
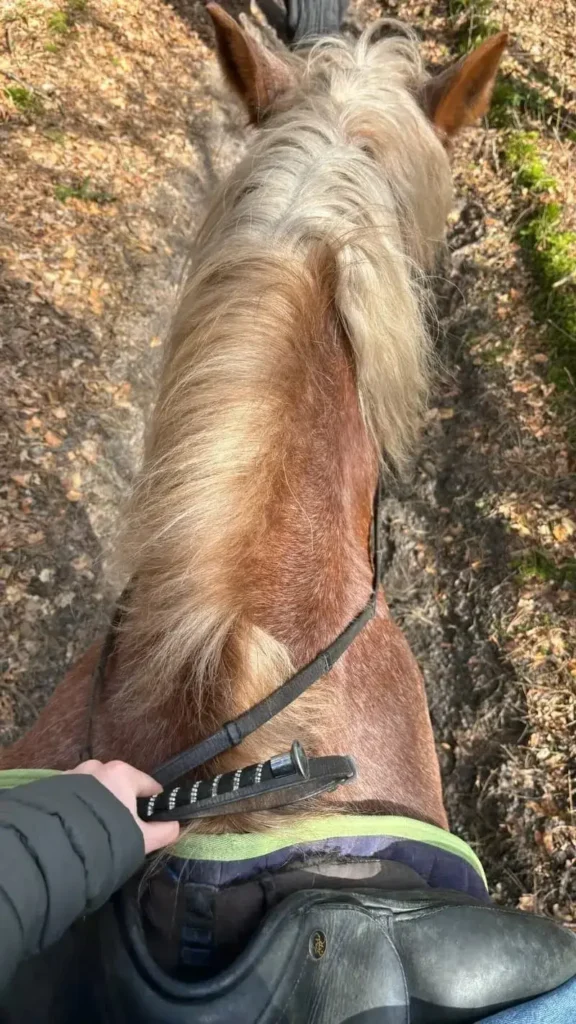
{"x": 351, "y": 174}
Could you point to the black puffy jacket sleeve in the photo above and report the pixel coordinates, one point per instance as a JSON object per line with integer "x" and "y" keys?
{"x": 66, "y": 844}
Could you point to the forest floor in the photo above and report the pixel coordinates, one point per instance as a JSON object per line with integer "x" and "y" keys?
{"x": 112, "y": 133}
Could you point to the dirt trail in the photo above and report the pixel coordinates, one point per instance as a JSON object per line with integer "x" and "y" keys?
{"x": 108, "y": 152}
{"x": 104, "y": 181}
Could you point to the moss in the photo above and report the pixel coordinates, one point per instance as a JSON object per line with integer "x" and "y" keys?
{"x": 82, "y": 191}
{"x": 523, "y": 157}
{"x": 27, "y": 101}
{"x": 551, "y": 256}
{"x": 549, "y": 252}
{"x": 537, "y": 565}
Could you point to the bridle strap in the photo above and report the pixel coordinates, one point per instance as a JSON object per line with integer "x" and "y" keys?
{"x": 233, "y": 733}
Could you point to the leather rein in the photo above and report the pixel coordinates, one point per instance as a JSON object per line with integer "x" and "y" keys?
{"x": 284, "y": 779}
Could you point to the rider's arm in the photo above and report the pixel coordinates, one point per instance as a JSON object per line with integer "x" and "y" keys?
{"x": 66, "y": 844}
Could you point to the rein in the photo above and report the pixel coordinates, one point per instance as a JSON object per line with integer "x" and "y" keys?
{"x": 286, "y": 778}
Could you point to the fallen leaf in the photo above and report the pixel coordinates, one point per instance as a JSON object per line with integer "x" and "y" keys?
{"x": 548, "y": 842}
{"x": 52, "y": 439}
{"x": 562, "y": 530}
{"x": 446, "y": 414}
{"x": 22, "y": 479}
{"x": 73, "y": 495}
{"x": 59, "y": 413}
{"x": 527, "y": 902}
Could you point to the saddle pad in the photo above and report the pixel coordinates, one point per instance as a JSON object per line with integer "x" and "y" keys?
{"x": 353, "y": 834}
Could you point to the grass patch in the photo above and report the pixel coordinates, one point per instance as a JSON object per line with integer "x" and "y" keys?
{"x": 537, "y": 565}
{"x": 24, "y": 99}
{"x": 550, "y": 254}
{"x": 62, "y": 22}
{"x": 59, "y": 23}
{"x": 473, "y": 23}
{"x": 83, "y": 191}
{"x": 513, "y": 99}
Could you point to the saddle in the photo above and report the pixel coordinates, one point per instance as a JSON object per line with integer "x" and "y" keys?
{"x": 320, "y": 957}
{"x": 324, "y": 957}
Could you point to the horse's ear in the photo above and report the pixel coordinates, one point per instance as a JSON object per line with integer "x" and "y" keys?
{"x": 461, "y": 94}
{"x": 257, "y": 75}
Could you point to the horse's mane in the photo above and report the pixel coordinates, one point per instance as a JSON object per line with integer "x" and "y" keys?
{"x": 328, "y": 220}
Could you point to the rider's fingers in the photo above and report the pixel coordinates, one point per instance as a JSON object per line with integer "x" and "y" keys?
{"x": 140, "y": 783}
{"x": 160, "y": 833}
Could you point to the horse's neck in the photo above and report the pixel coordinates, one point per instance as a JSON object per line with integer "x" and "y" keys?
{"x": 307, "y": 576}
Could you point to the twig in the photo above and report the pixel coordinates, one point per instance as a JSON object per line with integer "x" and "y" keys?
{"x": 524, "y": 214}
{"x": 8, "y": 36}
{"x": 564, "y": 280}
{"x": 495, "y": 156}
{"x": 20, "y": 81}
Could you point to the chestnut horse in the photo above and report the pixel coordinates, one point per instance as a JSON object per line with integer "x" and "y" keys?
{"x": 298, "y": 355}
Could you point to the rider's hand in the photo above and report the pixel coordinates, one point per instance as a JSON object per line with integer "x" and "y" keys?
{"x": 127, "y": 783}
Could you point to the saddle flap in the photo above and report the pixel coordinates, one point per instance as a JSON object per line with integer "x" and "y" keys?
{"x": 474, "y": 960}
{"x": 324, "y": 957}
{"x": 317, "y": 958}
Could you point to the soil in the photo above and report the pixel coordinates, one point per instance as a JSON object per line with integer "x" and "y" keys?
{"x": 104, "y": 174}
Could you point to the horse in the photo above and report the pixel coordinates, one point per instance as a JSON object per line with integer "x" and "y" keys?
{"x": 295, "y": 376}
{"x": 294, "y": 379}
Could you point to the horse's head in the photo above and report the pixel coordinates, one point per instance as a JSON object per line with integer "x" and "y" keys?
{"x": 267, "y": 82}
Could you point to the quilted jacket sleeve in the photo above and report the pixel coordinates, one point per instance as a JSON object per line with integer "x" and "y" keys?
{"x": 66, "y": 844}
